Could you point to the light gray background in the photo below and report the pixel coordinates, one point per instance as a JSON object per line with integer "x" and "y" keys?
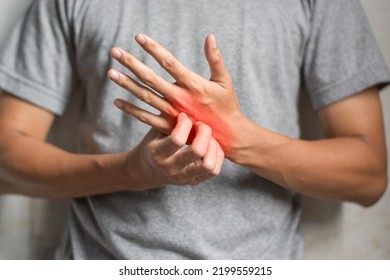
{"x": 29, "y": 228}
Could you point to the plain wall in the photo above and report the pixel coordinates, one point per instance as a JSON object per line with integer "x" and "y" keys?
{"x": 29, "y": 228}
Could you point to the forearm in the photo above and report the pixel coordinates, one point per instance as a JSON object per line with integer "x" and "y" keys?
{"x": 29, "y": 166}
{"x": 343, "y": 168}
{"x": 34, "y": 168}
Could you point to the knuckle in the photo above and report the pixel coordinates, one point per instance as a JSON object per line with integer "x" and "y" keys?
{"x": 142, "y": 117}
{"x": 198, "y": 151}
{"x": 152, "y": 45}
{"x": 208, "y": 166}
{"x": 176, "y": 141}
{"x": 193, "y": 182}
{"x": 128, "y": 109}
{"x": 149, "y": 78}
{"x": 128, "y": 60}
{"x": 168, "y": 62}
{"x": 215, "y": 172}
{"x": 171, "y": 172}
{"x": 121, "y": 83}
{"x": 126, "y": 82}
{"x": 216, "y": 58}
{"x": 145, "y": 96}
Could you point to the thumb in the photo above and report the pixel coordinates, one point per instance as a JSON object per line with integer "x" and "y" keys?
{"x": 218, "y": 70}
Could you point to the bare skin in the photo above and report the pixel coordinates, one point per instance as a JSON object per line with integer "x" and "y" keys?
{"x": 214, "y": 103}
{"x": 350, "y": 164}
{"x": 29, "y": 166}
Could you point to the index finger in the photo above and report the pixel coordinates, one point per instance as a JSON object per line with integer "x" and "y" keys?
{"x": 178, "y": 137}
{"x": 178, "y": 71}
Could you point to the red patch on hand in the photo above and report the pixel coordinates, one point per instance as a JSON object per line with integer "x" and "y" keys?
{"x": 198, "y": 112}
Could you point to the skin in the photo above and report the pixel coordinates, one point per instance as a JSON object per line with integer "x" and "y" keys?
{"x": 30, "y": 166}
{"x": 210, "y": 103}
{"x": 349, "y": 164}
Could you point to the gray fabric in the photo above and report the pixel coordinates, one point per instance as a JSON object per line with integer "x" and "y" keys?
{"x": 272, "y": 49}
{"x": 341, "y": 55}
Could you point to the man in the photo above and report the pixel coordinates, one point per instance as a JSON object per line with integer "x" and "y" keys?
{"x": 128, "y": 189}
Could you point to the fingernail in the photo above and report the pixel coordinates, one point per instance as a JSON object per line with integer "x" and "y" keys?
{"x": 118, "y": 104}
{"x": 140, "y": 38}
{"x": 116, "y": 53}
{"x": 114, "y": 75}
{"x": 213, "y": 41}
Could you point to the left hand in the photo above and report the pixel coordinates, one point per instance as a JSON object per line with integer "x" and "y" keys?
{"x": 162, "y": 159}
{"x": 210, "y": 101}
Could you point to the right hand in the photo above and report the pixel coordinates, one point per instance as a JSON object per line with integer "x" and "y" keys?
{"x": 165, "y": 159}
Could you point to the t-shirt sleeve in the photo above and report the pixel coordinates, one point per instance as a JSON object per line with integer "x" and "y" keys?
{"x": 342, "y": 57}
{"x": 36, "y": 61}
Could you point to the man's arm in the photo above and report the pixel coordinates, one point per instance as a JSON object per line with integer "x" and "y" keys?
{"x": 349, "y": 165}
{"x": 29, "y": 166}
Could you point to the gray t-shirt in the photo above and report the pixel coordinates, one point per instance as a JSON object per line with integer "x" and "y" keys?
{"x": 273, "y": 49}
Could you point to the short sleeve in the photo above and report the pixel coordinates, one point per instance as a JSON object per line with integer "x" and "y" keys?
{"x": 36, "y": 61}
{"x": 341, "y": 57}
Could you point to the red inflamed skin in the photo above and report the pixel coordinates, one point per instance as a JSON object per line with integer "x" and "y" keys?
{"x": 197, "y": 111}
{"x": 212, "y": 101}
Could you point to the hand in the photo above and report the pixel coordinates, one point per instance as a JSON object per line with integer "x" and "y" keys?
{"x": 210, "y": 101}
{"x": 165, "y": 159}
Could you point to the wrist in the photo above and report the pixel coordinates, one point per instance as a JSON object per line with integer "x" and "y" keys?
{"x": 257, "y": 148}
{"x": 112, "y": 171}
{"x": 138, "y": 172}
{"x": 118, "y": 172}
{"x": 242, "y": 133}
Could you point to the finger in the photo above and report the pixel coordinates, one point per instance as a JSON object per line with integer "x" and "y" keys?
{"x": 211, "y": 165}
{"x": 144, "y": 73}
{"x": 209, "y": 161}
{"x": 199, "y": 147}
{"x": 142, "y": 93}
{"x": 215, "y": 172}
{"x": 166, "y": 59}
{"x": 204, "y": 166}
{"x": 205, "y": 170}
{"x": 201, "y": 141}
{"x": 158, "y": 122}
{"x": 178, "y": 137}
{"x": 218, "y": 70}
{"x": 220, "y": 158}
